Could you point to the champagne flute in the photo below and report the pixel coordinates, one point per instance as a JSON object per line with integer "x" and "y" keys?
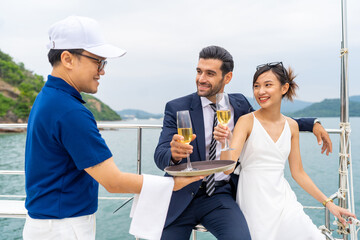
{"x": 223, "y": 113}
{"x": 185, "y": 130}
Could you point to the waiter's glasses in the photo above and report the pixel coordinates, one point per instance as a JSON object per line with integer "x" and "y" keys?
{"x": 101, "y": 63}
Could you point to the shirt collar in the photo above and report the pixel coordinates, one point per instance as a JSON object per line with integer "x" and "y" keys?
{"x": 58, "y": 83}
{"x": 205, "y": 102}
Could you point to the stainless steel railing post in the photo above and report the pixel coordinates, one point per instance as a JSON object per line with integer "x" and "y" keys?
{"x": 327, "y": 220}
{"x": 139, "y": 144}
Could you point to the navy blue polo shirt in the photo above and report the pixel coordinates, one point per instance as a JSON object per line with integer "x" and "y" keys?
{"x": 62, "y": 140}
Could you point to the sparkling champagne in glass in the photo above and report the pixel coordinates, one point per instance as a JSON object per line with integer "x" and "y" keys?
{"x": 185, "y": 130}
{"x": 223, "y": 113}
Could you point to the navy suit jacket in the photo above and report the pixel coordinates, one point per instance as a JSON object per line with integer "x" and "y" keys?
{"x": 182, "y": 198}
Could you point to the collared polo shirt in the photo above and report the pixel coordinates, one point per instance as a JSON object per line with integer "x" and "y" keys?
{"x": 62, "y": 140}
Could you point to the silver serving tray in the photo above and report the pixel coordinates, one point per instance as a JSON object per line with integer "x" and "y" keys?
{"x": 202, "y": 168}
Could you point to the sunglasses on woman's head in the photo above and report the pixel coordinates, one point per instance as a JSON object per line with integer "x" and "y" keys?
{"x": 272, "y": 65}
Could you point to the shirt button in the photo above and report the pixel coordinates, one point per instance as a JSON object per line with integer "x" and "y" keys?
{"x": 192, "y": 193}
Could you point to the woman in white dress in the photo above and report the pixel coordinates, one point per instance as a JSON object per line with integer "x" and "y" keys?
{"x": 266, "y": 139}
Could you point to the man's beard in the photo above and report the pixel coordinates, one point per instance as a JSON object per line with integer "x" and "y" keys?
{"x": 213, "y": 90}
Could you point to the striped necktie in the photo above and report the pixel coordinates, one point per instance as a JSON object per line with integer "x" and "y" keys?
{"x": 210, "y": 183}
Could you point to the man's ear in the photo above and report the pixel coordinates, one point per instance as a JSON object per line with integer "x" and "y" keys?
{"x": 67, "y": 59}
{"x": 228, "y": 77}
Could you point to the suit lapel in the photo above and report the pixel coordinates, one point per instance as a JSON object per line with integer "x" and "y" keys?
{"x": 236, "y": 107}
{"x": 197, "y": 118}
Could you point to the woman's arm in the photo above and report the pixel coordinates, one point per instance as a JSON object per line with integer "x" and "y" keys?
{"x": 237, "y": 139}
{"x": 300, "y": 176}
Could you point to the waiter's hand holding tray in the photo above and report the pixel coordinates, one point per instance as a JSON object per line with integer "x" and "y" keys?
{"x": 202, "y": 168}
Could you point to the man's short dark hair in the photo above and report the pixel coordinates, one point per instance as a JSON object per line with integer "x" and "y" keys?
{"x": 54, "y": 55}
{"x": 216, "y": 52}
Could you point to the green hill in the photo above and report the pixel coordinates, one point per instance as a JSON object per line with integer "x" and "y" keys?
{"x": 327, "y": 108}
{"x": 19, "y": 88}
{"x": 100, "y": 110}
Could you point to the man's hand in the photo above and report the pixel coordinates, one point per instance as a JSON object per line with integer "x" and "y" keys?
{"x": 322, "y": 137}
{"x": 178, "y": 149}
{"x": 180, "y": 182}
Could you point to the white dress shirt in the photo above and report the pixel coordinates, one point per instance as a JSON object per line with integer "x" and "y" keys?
{"x": 208, "y": 125}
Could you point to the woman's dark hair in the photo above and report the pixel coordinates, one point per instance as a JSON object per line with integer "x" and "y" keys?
{"x": 54, "y": 55}
{"x": 283, "y": 75}
{"x": 216, "y": 52}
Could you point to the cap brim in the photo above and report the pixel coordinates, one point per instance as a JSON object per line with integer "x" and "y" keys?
{"x": 106, "y": 51}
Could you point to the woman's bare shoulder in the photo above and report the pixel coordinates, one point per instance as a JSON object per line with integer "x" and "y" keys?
{"x": 246, "y": 118}
{"x": 292, "y": 123}
{"x": 245, "y": 121}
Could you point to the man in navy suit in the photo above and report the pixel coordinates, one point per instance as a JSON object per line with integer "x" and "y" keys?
{"x": 219, "y": 213}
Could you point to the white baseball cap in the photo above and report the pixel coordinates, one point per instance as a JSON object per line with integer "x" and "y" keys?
{"x": 76, "y": 32}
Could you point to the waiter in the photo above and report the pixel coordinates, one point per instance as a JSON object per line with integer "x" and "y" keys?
{"x": 66, "y": 158}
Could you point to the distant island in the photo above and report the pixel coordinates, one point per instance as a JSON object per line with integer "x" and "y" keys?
{"x": 19, "y": 88}
{"x": 328, "y": 108}
{"x": 137, "y": 114}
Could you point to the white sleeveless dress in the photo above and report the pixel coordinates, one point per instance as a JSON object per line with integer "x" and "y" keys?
{"x": 264, "y": 196}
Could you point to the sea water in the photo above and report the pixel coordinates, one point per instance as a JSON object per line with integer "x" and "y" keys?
{"x": 321, "y": 168}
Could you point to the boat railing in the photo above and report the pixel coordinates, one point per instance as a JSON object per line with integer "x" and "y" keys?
{"x": 16, "y": 209}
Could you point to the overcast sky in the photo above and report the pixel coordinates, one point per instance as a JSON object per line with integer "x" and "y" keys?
{"x": 163, "y": 39}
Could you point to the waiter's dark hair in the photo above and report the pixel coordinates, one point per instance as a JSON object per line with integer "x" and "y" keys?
{"x": 54, "y": 55}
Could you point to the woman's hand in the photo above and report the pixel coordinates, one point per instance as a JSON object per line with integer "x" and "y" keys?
{"x": 221, "y": 132}
{"x": 339, "y": 212}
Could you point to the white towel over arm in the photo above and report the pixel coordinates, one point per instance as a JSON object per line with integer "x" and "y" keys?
{"x": 150, "y": 207}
